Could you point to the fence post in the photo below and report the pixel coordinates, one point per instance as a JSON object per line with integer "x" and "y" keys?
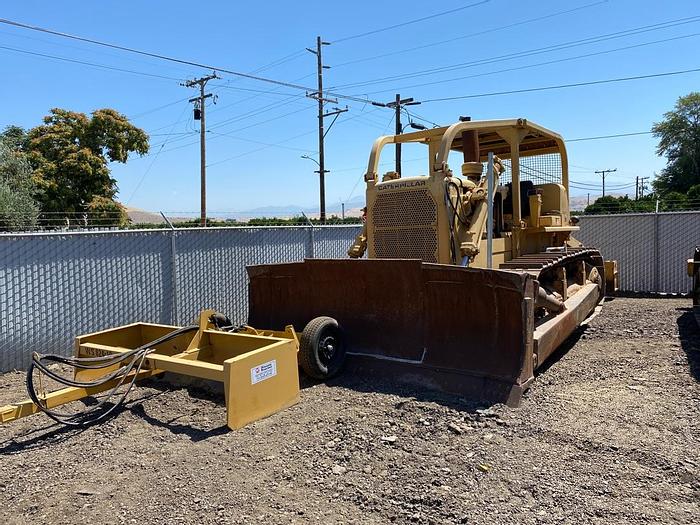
{"x": 657, "y": 255}
{"x": 173, "y": 274}
{"x": 312, "y": 241}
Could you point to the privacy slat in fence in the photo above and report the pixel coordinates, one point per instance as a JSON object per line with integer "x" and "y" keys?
{"x": 651, "y": 249}
{"x": 57, "y": 285}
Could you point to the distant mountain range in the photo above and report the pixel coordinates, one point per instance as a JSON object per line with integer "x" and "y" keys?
{"x": 353, "y": 208}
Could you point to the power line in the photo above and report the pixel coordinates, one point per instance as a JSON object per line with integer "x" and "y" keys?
{"x": 599, "y": 137}
{"x": 229, "y": 135}
{"x": 537, "y": 64}
{"x": 479, "y": 33}
{"x": 85, "y": 63}
{"x": 148, "y": 112}
{"x": 530, "y": 52}
{"x": 260, "y": 149}
{"x": 252, "y": 112}
{"x": 409, "y": 22}
{"x": 173, "y": 59}
{"x": 285, "y": 140}
{"x": 563, "y": 86}
{"x": 603, "y": 173}
{"x": 239, "y": 129}
{"x": 143, "y": 177}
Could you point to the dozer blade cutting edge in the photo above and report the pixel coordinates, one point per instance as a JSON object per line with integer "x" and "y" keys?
{"x": 464, "y": 330}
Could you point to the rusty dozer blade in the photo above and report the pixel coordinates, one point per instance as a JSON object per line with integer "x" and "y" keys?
{"x": 462, "y": 330}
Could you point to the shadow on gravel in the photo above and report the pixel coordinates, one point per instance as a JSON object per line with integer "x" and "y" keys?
{"x": 195, "y": 434}
{"x": 204, "y": 390}
{"x": 689, "y": 335}
{"x": 46, "y": 436}
{"x": 371, "y": 383}
{"x": 38, "y": 438}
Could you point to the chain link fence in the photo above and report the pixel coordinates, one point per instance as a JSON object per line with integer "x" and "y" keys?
{"x": 54, "y": 286}
{"x": 651, "y": 248}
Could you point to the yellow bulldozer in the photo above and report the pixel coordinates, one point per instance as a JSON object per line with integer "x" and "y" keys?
{"x": 470, "y": 282}
{"x": 694, "y": 273}
{"x": 465, "y": 282}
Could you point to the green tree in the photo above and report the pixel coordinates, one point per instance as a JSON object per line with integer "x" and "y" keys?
{"x": 679, "y": 142}
{"x": 70, "y": 154}
{"x": 608, "y": 204}
{"x": 107, "y": 212}
{"x": 15, "y": 138}
{"x": 18, "y": 210}
{"x": 673, "y": 201}
{"x": 694, "y": 196}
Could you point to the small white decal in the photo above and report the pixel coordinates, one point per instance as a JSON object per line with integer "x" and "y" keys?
{"x": 263, "y": 371}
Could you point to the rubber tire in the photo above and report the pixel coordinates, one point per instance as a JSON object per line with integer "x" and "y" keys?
{"x": 310, "y": 344}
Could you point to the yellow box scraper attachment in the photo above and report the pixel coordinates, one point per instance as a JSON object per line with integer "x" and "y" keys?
{"x": 258, "y": 369}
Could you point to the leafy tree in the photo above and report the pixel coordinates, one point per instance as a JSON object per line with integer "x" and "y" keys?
{"x": 679, "y": 142}
{"x": 612, "y": 204}
{"x": 70, "y": 153}
{"x": 607, "y": 204}
{"x": 673, "y": 201}
{"x": 107, "y": 212}
{"x": 18, "y": 209}
{"x": 694, "y": 195}
{"x": 15, "y": 138}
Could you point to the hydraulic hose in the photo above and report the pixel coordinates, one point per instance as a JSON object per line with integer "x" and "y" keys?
{"x": 132, "y": 361}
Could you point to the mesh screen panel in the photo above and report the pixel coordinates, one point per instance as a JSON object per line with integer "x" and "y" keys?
{"x": 404, "y": 225}
{"x": 540, "y": 169}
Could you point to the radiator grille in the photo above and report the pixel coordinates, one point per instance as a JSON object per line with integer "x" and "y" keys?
{"x": 404, "y": 225}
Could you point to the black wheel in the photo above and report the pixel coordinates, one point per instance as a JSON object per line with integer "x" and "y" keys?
{"x": 321, "y": 348}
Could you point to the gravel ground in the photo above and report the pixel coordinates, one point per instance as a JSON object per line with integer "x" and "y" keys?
{"x": 608, "y": 433}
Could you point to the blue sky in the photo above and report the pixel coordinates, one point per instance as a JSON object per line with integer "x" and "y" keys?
{"x": 259, "y": 131}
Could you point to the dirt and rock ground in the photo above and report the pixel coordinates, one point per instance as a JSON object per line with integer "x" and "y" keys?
{"x": 608, "y": 433}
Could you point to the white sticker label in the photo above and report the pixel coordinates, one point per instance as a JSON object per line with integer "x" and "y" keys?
{"x": 263, "y": 371}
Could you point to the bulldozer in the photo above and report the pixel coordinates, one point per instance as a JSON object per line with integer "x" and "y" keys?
{"x": 461, "y": 282}
{"x": 694, "y": 273}
{"x": 463, "y": 279}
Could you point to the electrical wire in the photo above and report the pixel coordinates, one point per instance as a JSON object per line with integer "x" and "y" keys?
{"x": 599, "y": 137}
{"x": 148, "y": 112}
{"x": 409, "y": 22}
{"x": 470, "y": 35}
{"x": 564, "y": 86}
{"x": 85, "y": 63}
{"x": 155, "y": 158}
{"x": 537, "y": 64}
{"x": 529, "y": 52}
{"x": 174, "y": 59}
{"x": 239, "y": 129}
{"x": 229, "y": 135}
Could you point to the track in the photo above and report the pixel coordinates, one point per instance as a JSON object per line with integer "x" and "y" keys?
{"x": 537, "y": 263}
{"x": 543, "y": 265}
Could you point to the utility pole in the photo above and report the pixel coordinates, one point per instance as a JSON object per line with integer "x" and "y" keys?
{"x": 603, "y": 173}
{"x": 199, "y": 114}
{"x": 642, "y": 186}
{"x": 588, "y": 200}
{"x": 398, "y": 104}
{"x": 636, "y": 189}
{"x": 321, "y": 116}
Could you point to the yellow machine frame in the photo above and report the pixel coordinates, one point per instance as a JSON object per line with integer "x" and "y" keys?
{"x": 257, "y": 368}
